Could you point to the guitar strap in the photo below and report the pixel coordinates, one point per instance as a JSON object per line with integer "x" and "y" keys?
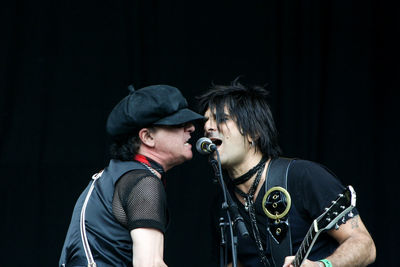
{"x": 277, "y": 201}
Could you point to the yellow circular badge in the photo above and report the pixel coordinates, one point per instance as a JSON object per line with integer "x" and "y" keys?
{"x": 274, "y": 214}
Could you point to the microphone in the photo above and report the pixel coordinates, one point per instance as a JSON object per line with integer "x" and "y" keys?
{"x": 205, "y": 146}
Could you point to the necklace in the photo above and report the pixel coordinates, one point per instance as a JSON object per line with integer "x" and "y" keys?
{"x": 248, "y": 198}
{"x": 154, "y": 167}
{"x": 150, "y": 169}
{"x": 249, "y": 207}
{"x": 148, "y": 162}
{"x": 245, "y": 177}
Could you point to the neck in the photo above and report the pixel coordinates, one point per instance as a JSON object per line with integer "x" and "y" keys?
{"x": 157, "y": 157}
{"x": 245, "y": 165}
{"x": 152, "y": 162}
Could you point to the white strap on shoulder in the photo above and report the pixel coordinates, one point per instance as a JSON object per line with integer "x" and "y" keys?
{"x": 85, "y": 242}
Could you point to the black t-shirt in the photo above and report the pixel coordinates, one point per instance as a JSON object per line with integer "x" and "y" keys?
{"x": 140, "y": 201}
{"x": 312, "y": 187}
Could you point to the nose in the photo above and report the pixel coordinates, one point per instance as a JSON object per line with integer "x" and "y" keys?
{"x": 189, "y": 127}
{"x": 210, "y": 125}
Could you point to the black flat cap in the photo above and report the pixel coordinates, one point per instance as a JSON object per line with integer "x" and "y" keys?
{"x": 151, "y": 105}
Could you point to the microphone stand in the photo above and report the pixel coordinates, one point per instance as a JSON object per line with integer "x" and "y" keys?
{"x": 235, "y": 220}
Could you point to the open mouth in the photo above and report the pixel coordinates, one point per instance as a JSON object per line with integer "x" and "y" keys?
{"x": 216, "y": 141}
{"x": 187, "y": 143}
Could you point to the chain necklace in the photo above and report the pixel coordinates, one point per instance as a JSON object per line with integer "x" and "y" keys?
{"x": 154, "y": 167}
{"x": 148, "y": 162}
{"x": 150, "y": 169}
{"x": 249, "y": 207}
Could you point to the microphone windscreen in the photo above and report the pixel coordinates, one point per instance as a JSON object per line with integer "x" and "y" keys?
{"x": 200, "y": 143}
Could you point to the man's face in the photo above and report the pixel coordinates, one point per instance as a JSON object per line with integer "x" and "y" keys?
{"x": 232, "y": 146}
{"x": 171, "y": 143}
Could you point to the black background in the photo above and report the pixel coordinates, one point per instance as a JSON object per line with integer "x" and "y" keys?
{"x": 332, "y": 69}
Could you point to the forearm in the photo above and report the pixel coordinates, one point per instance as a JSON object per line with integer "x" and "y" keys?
{"x": 356, "y": 250}
{"x": 147, "y": 246}
{"x": 238, "y": 264}
{"x": 353, "y": 252}
{"x": 153, "y": 262}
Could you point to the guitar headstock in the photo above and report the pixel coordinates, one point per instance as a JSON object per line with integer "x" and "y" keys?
{"x": 344, "y": 203}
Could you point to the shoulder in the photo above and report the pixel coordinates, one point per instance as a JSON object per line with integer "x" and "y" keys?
{"x": 306, "y": 172}
{"x": 135, "y": 176}
{"x": 140, "y": 180}
{"x": 312, "y": 185}
{"x": 306, "y": 166}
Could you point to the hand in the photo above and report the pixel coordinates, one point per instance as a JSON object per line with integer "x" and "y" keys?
{"x": 306, "y": 263}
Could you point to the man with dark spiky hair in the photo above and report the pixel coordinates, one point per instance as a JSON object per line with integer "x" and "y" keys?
{"x": 121, "y": 217}
{"x": 239, "y": 122}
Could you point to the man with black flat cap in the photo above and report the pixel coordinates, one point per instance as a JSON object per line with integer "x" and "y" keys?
{"x": 121, "y": 217}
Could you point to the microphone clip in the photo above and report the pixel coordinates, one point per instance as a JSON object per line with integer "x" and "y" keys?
{"x": 214, "y": 164}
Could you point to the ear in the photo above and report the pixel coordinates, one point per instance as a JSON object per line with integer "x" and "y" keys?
{"x": 146, "y": 136}
{"x": 249, "y": 139}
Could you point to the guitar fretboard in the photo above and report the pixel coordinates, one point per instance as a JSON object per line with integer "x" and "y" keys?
{"x": 305, "y": 246}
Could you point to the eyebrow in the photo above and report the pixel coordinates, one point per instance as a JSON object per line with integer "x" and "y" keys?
{"x": 223, "y": 115}
{"x": 214, "y": 115}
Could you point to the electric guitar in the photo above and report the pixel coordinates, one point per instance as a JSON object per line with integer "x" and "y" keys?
{"x": 343, "y": 205}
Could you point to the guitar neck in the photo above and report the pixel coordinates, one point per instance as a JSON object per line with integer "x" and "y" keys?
{"x": 345, "y": 202}
{"x": 306, "y": 245}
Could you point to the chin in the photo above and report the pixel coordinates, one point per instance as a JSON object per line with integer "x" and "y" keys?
{"x": 188, "y": 156}
{"x": 221, "y": 156}
{"x": 222, "y": 159}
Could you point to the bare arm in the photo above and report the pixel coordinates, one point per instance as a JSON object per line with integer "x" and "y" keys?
{"x": 238, "y": 264}
{"x": 356, "y": 247}
{"x": 148, "y": 248}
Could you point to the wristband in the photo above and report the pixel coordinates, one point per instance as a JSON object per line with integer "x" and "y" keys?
{"x": 326, "y": 262}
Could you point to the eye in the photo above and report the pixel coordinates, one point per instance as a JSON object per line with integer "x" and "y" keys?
{"x": 223, "y": 119}
{"x": 182, "y": 125}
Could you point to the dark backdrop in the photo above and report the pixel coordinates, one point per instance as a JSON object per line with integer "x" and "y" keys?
{"x": 332, "y": 69}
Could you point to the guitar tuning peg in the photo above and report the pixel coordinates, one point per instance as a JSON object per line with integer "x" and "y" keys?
{"x": 342, "y": 207}
{"x": 336, "y": 226}
{"x": 335, "y": 213}
{"x": 351, "y": 214}
{"x": 343, "y": 220}
{"x": 328, "y": 219}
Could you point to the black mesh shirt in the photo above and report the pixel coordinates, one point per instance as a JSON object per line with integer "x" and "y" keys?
{"x": 140, "y": 201}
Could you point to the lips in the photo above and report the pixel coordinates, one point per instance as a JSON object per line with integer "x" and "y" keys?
{"x": 187, "y": 142}
{"x": 216, "y": 141}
